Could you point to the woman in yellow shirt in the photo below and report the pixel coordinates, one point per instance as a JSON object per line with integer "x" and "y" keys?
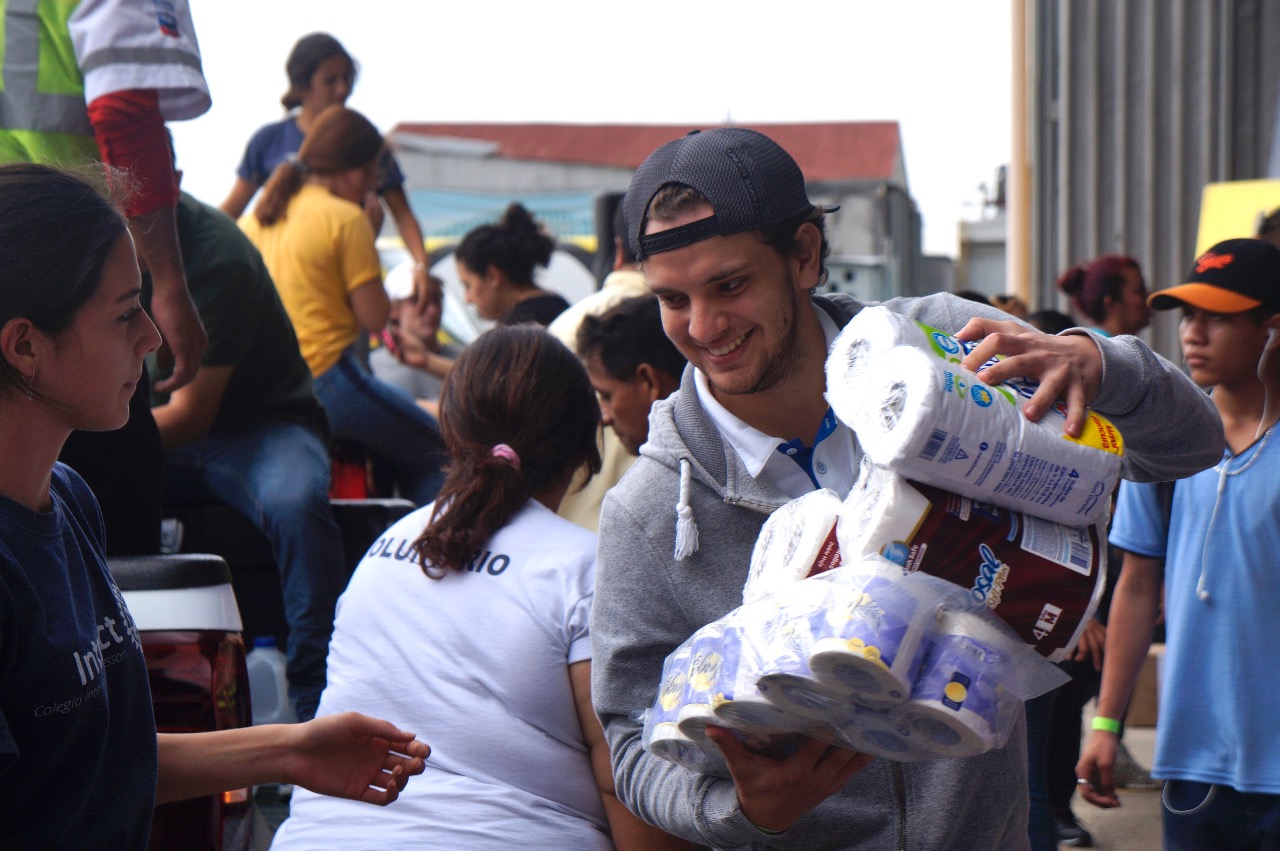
{"x": 319, "y": 247}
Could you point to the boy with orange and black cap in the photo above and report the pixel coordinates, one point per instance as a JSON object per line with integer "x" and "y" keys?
{"x": 1216, "y": 550}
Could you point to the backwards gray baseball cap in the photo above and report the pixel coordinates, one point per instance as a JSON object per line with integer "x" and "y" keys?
{"x": 749, "y": 180}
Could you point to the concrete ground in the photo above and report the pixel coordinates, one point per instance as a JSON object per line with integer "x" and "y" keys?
{"x": 1135, "y": 825}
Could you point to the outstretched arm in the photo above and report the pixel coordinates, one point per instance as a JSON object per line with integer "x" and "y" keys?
{"x": 1170, "y": 427}
{"x": 346, "y": 756}
{"x": 242, "y": 192}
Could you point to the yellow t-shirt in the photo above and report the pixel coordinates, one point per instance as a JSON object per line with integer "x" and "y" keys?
{"x": 318, "y": 253}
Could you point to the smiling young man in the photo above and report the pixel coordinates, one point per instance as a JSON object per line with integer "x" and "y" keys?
{"x": 1214, "y": 546}
{"x": 734, "y": 249}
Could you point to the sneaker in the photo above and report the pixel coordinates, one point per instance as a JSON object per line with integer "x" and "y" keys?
{"x": 1128, "y": 774}
{"x": 1070, "y": 832}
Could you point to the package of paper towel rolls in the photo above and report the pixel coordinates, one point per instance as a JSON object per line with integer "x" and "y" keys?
{"x": 903, "y": 667}
{"x": 899, "y": 385}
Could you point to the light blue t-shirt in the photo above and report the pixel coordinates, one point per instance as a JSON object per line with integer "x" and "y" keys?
{"x": 1220, "y": 692}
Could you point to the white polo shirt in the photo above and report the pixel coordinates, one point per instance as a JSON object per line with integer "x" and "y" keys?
{"x": 795, "y": 468}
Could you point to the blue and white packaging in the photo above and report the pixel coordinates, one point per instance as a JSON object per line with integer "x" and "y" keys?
{"x": 872, "y": 644}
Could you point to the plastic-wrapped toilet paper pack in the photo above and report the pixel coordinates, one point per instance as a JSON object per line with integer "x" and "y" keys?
{"x": 962, "y": 703}
{"x": 881, "y": 733}
{"x": 784, "y": 676}
{"x": 738, "y": 701}
{"x": 1044, "y": 579}
{"x": 873, "y": 641}
{"x": 937, "y": 423}
{"x": 798, "y": 540}
{"x": 869, "y": 342}
{"x": 710, "y": 656}
{"x": 737, "y": 653}
{"x": 662, "y": 730}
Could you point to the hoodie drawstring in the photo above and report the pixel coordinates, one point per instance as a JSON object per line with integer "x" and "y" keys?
{"x": 686, "y": 528}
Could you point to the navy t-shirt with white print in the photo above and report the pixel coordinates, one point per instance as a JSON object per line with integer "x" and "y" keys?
{"x": 77, "y": 733}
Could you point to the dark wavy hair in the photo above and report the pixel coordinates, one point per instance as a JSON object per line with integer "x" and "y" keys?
{"x": 305, "y": 57}
{"x": 57, "y": 228}
{"x": 627, "y": 335}
{"x": 520, "y": 386}
{"x": 339, "y": 139}
{"x": 1089, "y": 284}
{"x": 516, "y": 244}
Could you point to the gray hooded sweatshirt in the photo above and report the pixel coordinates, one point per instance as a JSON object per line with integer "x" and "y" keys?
{"x": 647, "y": 602}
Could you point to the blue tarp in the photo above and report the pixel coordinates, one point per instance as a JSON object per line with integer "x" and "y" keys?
{"x": 452, "y": 214}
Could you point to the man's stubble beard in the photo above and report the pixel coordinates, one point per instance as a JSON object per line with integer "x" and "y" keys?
{"x": 785, "y": 361}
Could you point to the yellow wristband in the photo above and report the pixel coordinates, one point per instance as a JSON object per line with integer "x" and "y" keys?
{"x": 1109, "y": 725}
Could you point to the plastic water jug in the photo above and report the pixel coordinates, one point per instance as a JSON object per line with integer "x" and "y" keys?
{"x": 268, "y": 685}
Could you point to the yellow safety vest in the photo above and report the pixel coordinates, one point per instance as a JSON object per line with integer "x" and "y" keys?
{"x": 43, "y": 116}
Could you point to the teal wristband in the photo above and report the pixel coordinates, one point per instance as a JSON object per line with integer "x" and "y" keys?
{"x": 1108, "y": 725}
{"x": 766, "y": 831}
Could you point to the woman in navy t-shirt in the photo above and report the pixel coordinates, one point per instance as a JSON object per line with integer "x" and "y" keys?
{"x": 81, "y": 764}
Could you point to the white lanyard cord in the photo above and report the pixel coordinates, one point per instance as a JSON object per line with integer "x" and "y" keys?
{"x": 1224, "y": 472}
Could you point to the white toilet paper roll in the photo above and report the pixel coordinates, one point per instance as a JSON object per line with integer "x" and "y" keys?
{"x": 932, "y": 421}
{"x": 879, "y": 733}
{"x": 743, "y": 707}
{"x": 737, "y": 700}
{"x": 883, "y": 509}
{"x": 671, "y": 689}
{"x": 803, "y": 696}
{"x": 867, "y": 337}
{"x": 874, "y": 643}
{"x": 663, "y": 736}
{"x": 945, "y": 733}
{"x": 706, "y": 663}
{"x": 669, "y": 741}
{"x": 798, "y": 540}
{"x": 959, "y": 694}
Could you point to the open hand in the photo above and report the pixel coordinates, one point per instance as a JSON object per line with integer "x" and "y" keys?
{"x": 354, "y": 756}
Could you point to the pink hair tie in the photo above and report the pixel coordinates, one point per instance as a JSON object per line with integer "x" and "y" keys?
{"x": 506, "y": 453}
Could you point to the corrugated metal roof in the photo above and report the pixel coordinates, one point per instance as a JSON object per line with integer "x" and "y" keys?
{"x": 851, "y": 150}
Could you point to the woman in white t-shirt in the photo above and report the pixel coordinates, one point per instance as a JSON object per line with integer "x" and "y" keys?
{"x": 470, "y": 618}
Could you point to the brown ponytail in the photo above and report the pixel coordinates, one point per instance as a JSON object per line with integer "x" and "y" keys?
{"x": 519, "y": 386}
{"x": 339, "y": 139}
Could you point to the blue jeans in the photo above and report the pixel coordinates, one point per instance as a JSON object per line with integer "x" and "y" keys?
{"x": 277, "y": 475}
{"x": 1204, "y": 817}
{"x": 387, "y": 422}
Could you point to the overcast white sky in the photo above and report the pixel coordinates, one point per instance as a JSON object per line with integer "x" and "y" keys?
{"x": 939, "y": 68}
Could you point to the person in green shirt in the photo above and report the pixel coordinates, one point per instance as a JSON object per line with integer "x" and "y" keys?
{"x": 248, "y": 432}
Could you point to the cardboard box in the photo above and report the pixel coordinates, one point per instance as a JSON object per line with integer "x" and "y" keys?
{"x": 1144, "y": 704}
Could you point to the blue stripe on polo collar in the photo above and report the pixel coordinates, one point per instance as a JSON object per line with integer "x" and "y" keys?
{"x": 803, "y": 455}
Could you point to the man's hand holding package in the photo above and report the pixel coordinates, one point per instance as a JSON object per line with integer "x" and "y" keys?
{"x": 1068, "y": 367}
{"x": 776, "y": 793}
